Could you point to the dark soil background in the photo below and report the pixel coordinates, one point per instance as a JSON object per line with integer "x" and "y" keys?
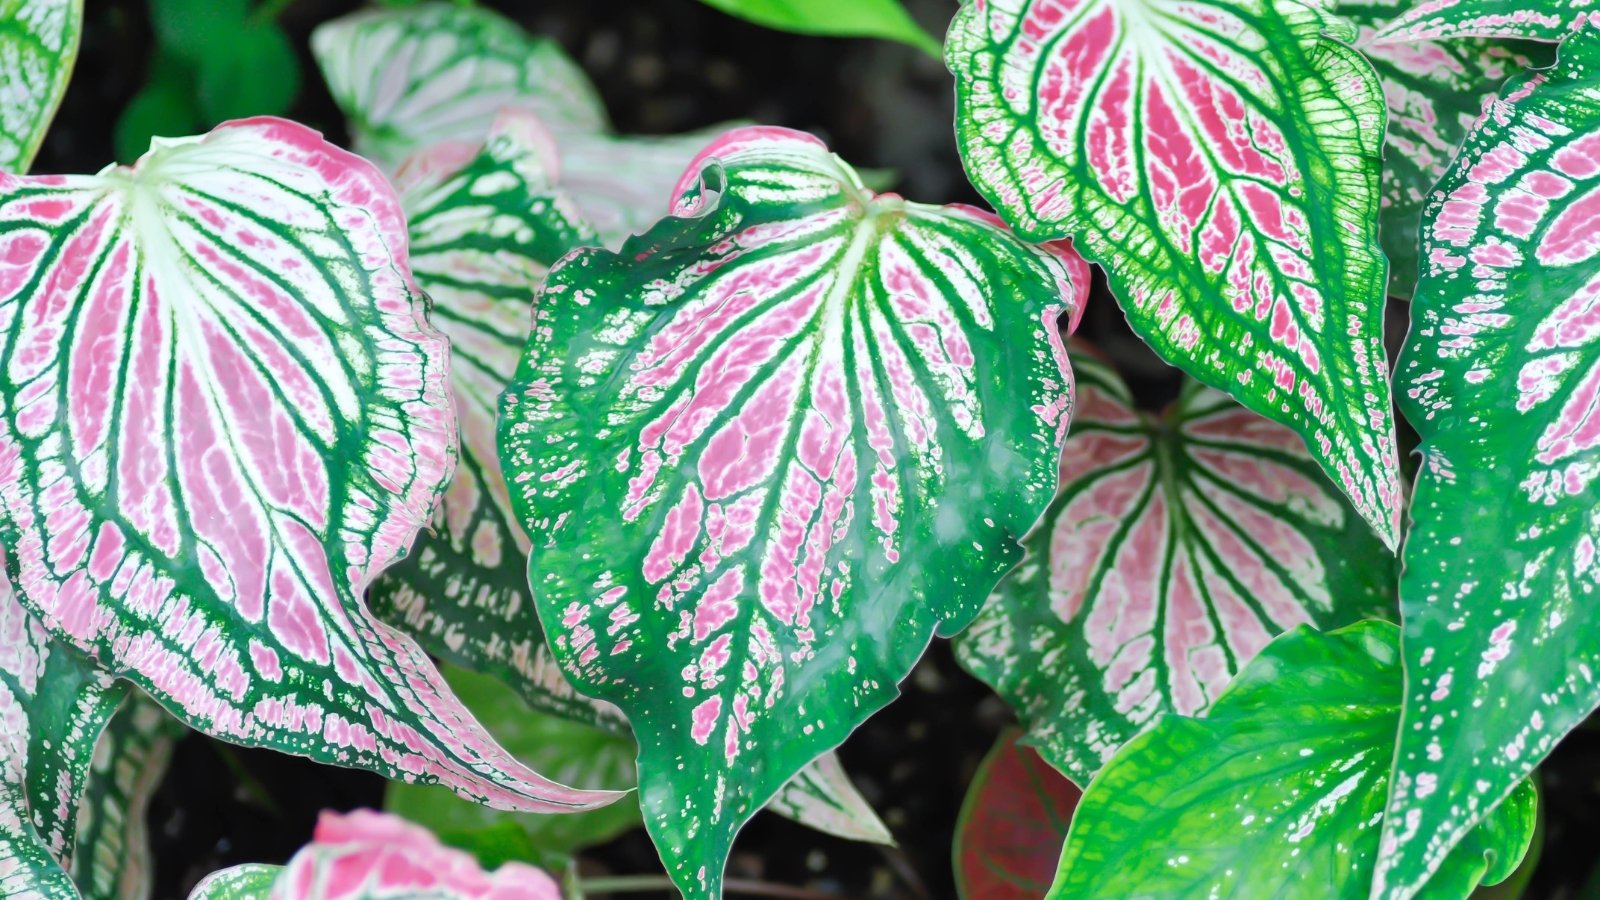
{"x": 665, "y": 66}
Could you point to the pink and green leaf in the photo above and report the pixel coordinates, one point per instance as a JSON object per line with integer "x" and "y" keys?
{"x": 1499, "y": 376}
{"x": 1434, "y": 20}
{"x": 1220, "y": 161}
{"x": 1012, "y": 824}
{"x": 365, "y": 855}
{"x": 112, "y": 860}
{"x": 1434, "y": 91}
{"x": 1276, "y": 792}
{"x": 38, "y": 45}
{"x": 53, "y": 705}
{"x": 769, "y": 449}
{"x": 412, "y": 77}
{"x": 1179, "y": 545}
{"x": 222, "y": 413}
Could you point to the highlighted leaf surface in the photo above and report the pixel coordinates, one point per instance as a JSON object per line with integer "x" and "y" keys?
{"x": 1221, "y": 162}
{"x": 1500, "y": 375}
{"x": 38, "y": 45}
{"x": 1179, "y": 545}
{"x": 222, "y": 413}
{"x": 766, "y": 452}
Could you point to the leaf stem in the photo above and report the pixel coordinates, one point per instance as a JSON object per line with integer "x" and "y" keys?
{"x": 635, "y": 884}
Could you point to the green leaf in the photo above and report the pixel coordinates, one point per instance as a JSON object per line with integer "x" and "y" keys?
{"x": 164, "y": 107}
{"x": 567, "y": 751}
{"x": 1179, "y": 545}
{"x": 1220, "y": 160}
{"x": 53, "y": 706}
{"x": 412, "y": 77}
{"x": 1012, "y": 824}
{"x": 1543, "y": 20}
{"x": 251, "y": 881}
{"x": 253, "y": 71}
{"x": 112, "y": 859}
{"x": 38, "y": 45}
{"x": 846, "y": 18}
{"x": 222, "y": 413}
{"x": 1434, "y": 91}
{"x": 193, "y": 30}
{"x": 1499, "y": 375}
{"x": 1276, "y": 792}
{"x": 739, "y": 446}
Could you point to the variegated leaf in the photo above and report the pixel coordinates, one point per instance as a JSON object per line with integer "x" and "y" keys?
{"x": 1013, "y": 821}
{"x": 765, "y": 452}
{"x": 1539, "y": 20}
{"x": 410, "y": 77}
{"x": 1178, "y": 546}
{"x": 38, "y": 45}
{"x": 1434, "y": 91}
{"x": 621, "y": 182}
{"x": 53, "y": 706}
{"x": 1499, "y": 375}
{"x": 823, "y": 797}
{"x": 112, "y": 858}
{"x": 222, "y": 413}
{"x": 1220, "y": 160}
{"x": 365, "y": 855}
{"x": 1276, "y": 792}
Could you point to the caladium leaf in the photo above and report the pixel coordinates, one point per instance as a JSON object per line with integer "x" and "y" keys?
{"x": 823, "y": 797}
{"x": 112, "y": 858}
{"x": 222, "y": 413}
{"x": 1543, "y": 20}
{"x": 38, "y": 45}
{"x": 1178, "y": 546}
{"x": 53, "y": 706}
{"x": 1012, "y": 824}
{"x": 365, "y": 855}
{"x": 1499, "y": 376}
{"x": 1434, "y": 91}
{"x": 408, "y": 78}
{"x": 732, "y": 442}
{"x": 850, "y": 18}
{"x": 621, "y": 182}
{"x": 1221, "y": 162}
{"x": 1188, "y": 809}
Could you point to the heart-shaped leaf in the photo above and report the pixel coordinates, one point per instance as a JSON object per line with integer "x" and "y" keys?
{"x": 365, "y": 855}
{"x": 53, "y": 706}
{"x": 1178, "y": 546}
{"x": 1499, "y": 375}
{"x": 1432, "y": 20}
{"x": 1012, "y": 824}
{"x": 1434, "y": 91}
{"x": 112, "y": 858}
{"x": 1220, "y": 160}
{"x": 1276, "y": 792}
{"x": 38, "y": 45}
{"x": 222, "y": 413}
{"x": 410, "y": 78}
{"x": 765, "y": 452}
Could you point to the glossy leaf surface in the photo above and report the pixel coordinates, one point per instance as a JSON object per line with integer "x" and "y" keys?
{"x": 222, "y": 413}
{"x": 1221, "y": 162}
{"x": 38, "y": 45}
{"x": 848, "y": 18}
{"x": 112, "y": 858}
{"x": 732, "y": 443}
{"x": 1013, "y": 822}
{"x": 1543, "y": 20}
{"x": 1499, "y": 375}
{"x": 365, "y": 855}
{"x": 1178, "y": 546}
{"x": 53, "y": 706}
{"x": 1277, "y": 792}
{"x": 1434, "y": 91}
{"x": 409, "y": 78}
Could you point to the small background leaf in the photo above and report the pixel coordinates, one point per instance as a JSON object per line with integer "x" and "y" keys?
{"x": 846, "y": 18}
{"x": 1012, "y": 824}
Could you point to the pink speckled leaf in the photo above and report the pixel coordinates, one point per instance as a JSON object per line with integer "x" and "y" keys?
{"x": 1220, "y": 160}
{"x": 765, "y": 452}
{"x": 222, "y": 413}
{"x": 1500, "y": 376}
{"x": 53, "y": 706}
{"x": 1179, "y": 545}
{"x": 366, "y": 855}
{"x": 1540, "y": 20}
